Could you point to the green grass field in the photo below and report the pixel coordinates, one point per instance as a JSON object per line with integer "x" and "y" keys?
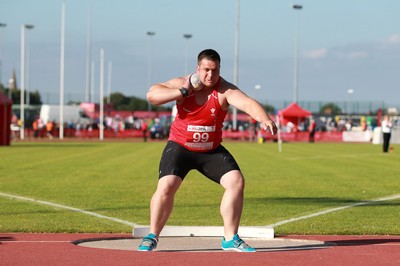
{"x": 117, "y": 179}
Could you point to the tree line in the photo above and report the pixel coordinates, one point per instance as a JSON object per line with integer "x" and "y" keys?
{"x": 121, "y": 102}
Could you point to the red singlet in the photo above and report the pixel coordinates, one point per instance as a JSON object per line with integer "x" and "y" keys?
{"x": 198, "y": 127}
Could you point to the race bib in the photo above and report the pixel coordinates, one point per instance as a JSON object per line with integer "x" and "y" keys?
{"x": 200, "y": 137}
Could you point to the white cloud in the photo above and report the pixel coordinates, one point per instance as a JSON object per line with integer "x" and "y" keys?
{"x": 316, "y": 54}
{"x": 351, "y": 53}
{"x": 356, "y": 55}
{"x": 392, "y": 39}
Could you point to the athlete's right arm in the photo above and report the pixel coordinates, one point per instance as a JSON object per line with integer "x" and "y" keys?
{"x": 161, "y": 93}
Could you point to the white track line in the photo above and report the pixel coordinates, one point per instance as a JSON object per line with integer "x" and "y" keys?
{"x": 37, "y": 241}
{"x": 69, "y": 208}
{"x": 137, "y": 225}
{"x": 336, "y": 209}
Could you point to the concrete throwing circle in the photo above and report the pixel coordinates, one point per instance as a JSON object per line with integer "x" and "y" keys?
{"x": 203, "y": 244}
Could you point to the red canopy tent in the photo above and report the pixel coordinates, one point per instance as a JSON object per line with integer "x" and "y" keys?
{"x": 293, "y": 113}
{"x": 5, "y": 120}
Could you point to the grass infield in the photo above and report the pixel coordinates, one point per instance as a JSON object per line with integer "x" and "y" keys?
{"x": 117, "y": 179}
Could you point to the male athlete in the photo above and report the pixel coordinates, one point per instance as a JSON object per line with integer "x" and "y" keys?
{"x": 195, "y": 143}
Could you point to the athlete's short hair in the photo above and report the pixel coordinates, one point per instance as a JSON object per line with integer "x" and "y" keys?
{"x": 209, "y": 54}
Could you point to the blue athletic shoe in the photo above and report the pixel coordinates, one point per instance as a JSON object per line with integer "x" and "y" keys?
{"x": 236, "y": 244}
{"x": 149, "y": 243}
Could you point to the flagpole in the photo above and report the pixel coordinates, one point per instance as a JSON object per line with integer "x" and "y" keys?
{"x": 61, "y": 126}
{"x": 101, "y": 123}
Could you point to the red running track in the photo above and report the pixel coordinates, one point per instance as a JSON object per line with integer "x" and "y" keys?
{"x": 57, "y": 249}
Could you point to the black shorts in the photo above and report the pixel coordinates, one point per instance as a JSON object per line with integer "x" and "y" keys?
{"x": 177, "y": 160}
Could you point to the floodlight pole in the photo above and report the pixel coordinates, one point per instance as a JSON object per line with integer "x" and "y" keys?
{"x": 62, "y": 53}
{"x": 101, "y": 123}
{"x": 89, "y": 55}
{"x": 296, "y": 56}
{"x": 2, "y": 25}
{"x": 28, "y": 65}
{"x": 22, "y": 94}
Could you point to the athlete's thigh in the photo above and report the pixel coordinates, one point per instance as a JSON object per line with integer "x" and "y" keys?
{"x": 217, "y": 163}
{"x": 169, "y": 184}
{"x": 174, "y": 161}
{"x": 232, "y": 180}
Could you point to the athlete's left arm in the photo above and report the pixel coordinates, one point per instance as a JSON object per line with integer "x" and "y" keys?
{"x": 235, "y": 97}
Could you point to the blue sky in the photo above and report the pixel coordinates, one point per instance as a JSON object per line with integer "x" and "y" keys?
{"x": 343, "y": 45}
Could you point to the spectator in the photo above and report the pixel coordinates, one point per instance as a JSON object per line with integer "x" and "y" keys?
{"x": 387, "y": 131}
{"x": 35, "y": 126}
{"x": 49, "y": 129}
{"x": 144, "y": 126}
{"x": 311, "y": 130}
